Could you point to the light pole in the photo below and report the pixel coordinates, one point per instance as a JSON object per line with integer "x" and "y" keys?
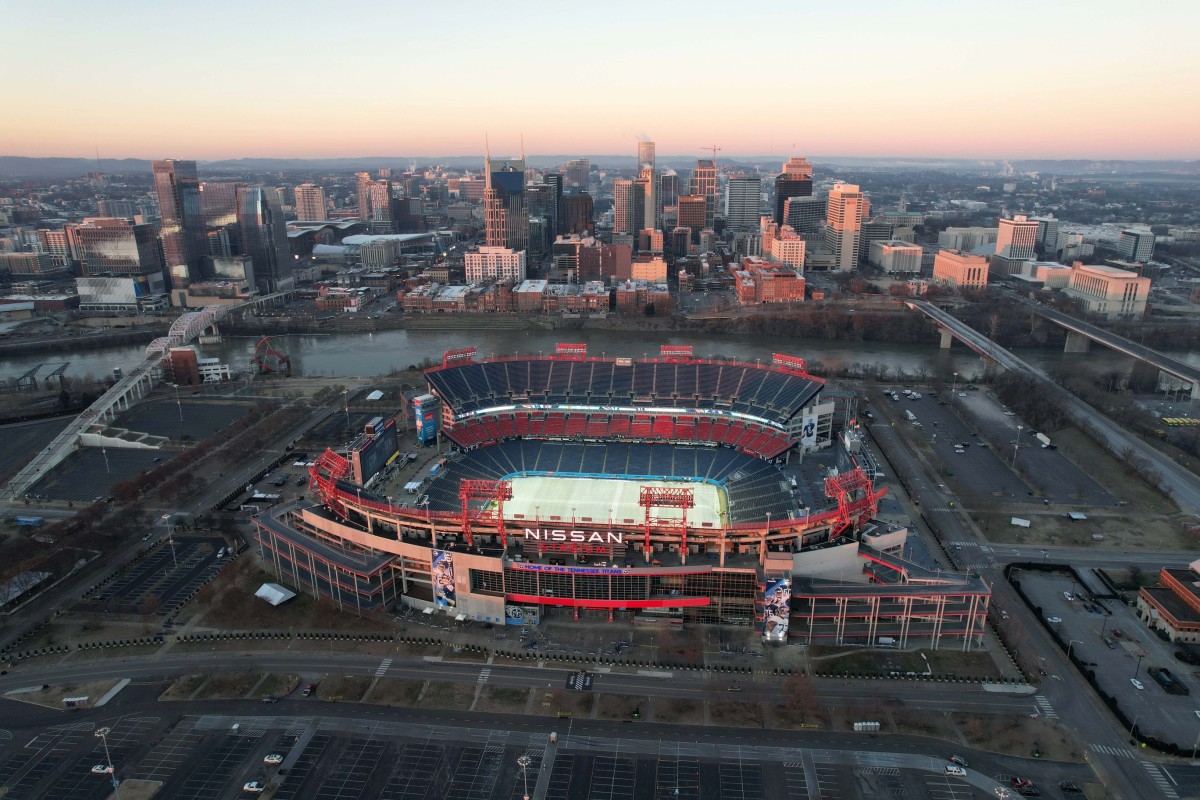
{"x": 1134, "y": 725}
{"x": 170, "y": 538}
{"x": 954, "y": 383}
{"x": 1071, "y": 644}
{"x": 102, "y": 734}
{"x": 346, "y": 406}
{"x": 523, "y": 762}
{"x": 1016, "y": 444}
{"x": 1138, "y": 668}
{"x": 104, "y": 452}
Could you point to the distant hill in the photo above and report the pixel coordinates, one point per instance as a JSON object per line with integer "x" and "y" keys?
{"x": 22, "y": 168}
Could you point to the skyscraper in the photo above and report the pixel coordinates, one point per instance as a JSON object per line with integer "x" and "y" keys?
{"x": 843, "y": 221}
{"x": 668, "y": 188}
{"x": 106, "y": 246}
{"x": 579, "y": 214}
{"x": 624, "y": 208}
{"x": 310, "y": 202}
{"x": 704, "y": 184}
{"x": 218, "y": 201}
{"x": 742, "y": 203}
{"x": 264, "y": 238}
{"x": 182, "y": 229}
{"x": 375, "y": 202}
{"x": 805, "y": 215}
{"x": 692, "y": 212}
{"x": 506, "y": 217}
{"x": 1136, "y": 245}
{"x": 1017, "y": 237}
{"x": 794, "y": 181}
{"x": 555, "y": 181}
{"x": 646, "y": 155}
{"x": 577, "y": 172}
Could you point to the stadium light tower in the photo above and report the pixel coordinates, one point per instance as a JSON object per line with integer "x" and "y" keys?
{"x": 524, "y": 762}
{"x": 102, "y": 735}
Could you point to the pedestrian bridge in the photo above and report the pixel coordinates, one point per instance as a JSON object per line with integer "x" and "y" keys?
{"x": 130, "y": 388}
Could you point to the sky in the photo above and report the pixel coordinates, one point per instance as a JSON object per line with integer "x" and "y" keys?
{"x": 258, "y": 78}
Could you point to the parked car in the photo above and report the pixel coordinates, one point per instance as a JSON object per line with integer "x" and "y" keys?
{"x": 1136, "y": 683}
{"x": 273, "y": 759}
{"x": 962, "y": 762}
{"x": 1054, "y": 620}
{"x": 312, "y": 687}
{"x": 101, "y": 769}
{"x": 254, "y": 787}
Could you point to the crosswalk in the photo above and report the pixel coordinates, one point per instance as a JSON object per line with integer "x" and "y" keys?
{"x": 383, "y": 668}
{"x": 484, "y": 674}
{"x": 1045, "y": 707}
{"x": 962, "y": 543}
{"x": 1160, "y": 780}
{"x": 1108, "y": 750}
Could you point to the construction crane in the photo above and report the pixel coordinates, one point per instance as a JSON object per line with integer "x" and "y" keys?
{"x": 714, "y": 150}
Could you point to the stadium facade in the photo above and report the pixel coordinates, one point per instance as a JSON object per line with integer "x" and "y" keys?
{"x": 642, "y": 490}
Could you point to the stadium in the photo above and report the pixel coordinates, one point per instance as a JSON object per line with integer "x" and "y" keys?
{"x": 659, "y": 490}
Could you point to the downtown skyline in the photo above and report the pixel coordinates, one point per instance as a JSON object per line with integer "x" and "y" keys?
{"x": 1010, "y": 80}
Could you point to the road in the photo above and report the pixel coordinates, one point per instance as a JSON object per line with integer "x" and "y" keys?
{"x": 1071, "y": 697}
{"x": 1183, "y": 485}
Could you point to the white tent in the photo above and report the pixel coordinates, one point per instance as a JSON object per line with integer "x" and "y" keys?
{"x": 274, "y": 594}
{"x": 375, "y": 395}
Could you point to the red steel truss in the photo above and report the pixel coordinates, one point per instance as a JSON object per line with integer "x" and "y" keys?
{"x": 651, "y": 497}
{"x": 470, "y": 490}
{"x": 842, "y": 488}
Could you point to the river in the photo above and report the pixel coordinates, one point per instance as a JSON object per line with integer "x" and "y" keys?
{"x": 370, "y": 354}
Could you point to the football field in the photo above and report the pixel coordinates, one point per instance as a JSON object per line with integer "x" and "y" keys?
{"x": 602, "y": 499}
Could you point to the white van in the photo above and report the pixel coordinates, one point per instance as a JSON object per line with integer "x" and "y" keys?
{"x": 957, "y": 771}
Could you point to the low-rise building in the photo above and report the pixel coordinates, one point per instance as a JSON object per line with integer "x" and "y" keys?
{"x": 757, "y": 282}
{"x": 1173, "y": 606}
{"x": 1108, "y": 291}
{"x": 960, "y": 270}
{"x": 638, "y": 297}
{"x": 125, "y": 294}
{"x": 492, "y": 263}
{"x": 894, "y": 256}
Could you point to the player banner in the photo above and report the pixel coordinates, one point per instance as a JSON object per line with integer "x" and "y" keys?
{"x": 808, "y": 430}
{"x": 777, "y": 609}
{"x": 444, "y": 593}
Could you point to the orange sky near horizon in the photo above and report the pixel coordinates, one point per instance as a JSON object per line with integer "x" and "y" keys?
{"x": 226, "y": 80}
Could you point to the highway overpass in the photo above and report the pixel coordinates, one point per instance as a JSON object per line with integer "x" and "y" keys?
{"x": 1080, "y": 333}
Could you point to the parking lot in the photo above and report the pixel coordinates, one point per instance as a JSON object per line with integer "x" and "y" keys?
{"x": 342, "y": 758}
{"x": 980, "y": 455}
{"x": 162, "y": 581}
{"x": 1109, "y": 639}
{"x": 90, "y": 473}
{"x": 189, "y": 419}
{"x": 24, "y": 439}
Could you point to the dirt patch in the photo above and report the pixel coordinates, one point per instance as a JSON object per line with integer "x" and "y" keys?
{"x": 1120, "y": 529}
{"x": 468, "y": 656}
{"x": 346, "y": 688}
{"x": 679, "y": 712}
{"x": 738, "y": 715}
{"x": 502, "y": 700}
{"x": 620, "y": 706}
{"x": 1019, "y": 736}
{"x": 784, "y": 717}
{"x": 183, "y": 688}
{"x": 52, "y": 696}
{"x": 396, "y": 692}
{"x": 925, "y": 723}
{"x": 561, "y": 702}
{"x": 277, "y": 685}
{"x": 135, "y": 789}
{"x": 1111, "y": 473}
{"x": 885, "y": 662}
{"x": 232, "y": 686}
{"x": 448, "y": 694}
{"x": 231, "y": 604}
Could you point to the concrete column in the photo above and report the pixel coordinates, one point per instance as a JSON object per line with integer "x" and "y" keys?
{"x": 1195, "y": 393}
{"x": 1077, "y": 343}
{"x": 989, "y": 366}
{"x": 947, "y": 338}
